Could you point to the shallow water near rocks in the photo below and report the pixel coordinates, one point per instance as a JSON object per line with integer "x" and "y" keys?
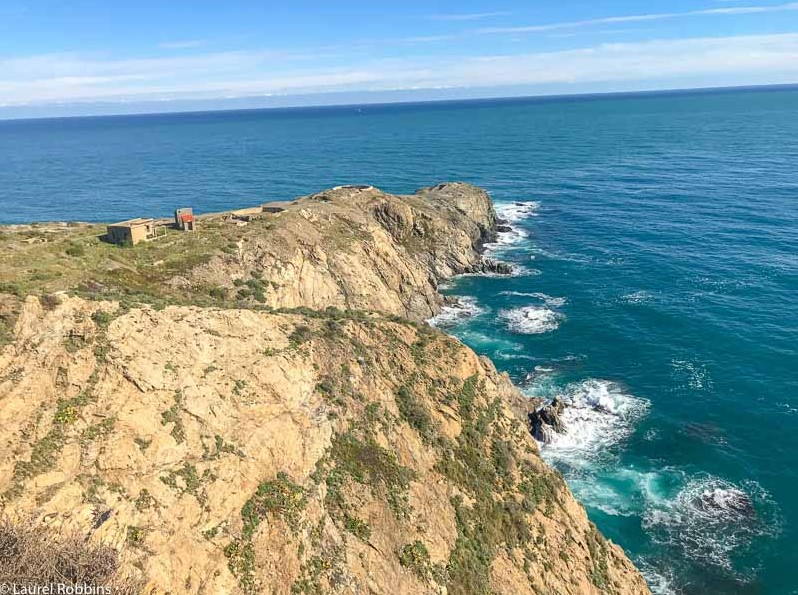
{"x": 656, "y": 243}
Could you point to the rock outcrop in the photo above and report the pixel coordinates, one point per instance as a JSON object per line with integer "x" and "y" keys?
{"x": 545, "y": 421}
{"x": 329, "y": 443}
{"x": 362, "y": 249}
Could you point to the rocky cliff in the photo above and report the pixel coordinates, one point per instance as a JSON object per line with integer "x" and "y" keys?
{"x": 257, "y": 408}
{"x": 360, "y": 248}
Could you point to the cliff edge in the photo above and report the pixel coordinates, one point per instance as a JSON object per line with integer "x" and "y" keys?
{"x": 257, "y": 407}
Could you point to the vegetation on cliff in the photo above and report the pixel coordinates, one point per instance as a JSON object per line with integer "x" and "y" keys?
{"x": 248, "y": 445}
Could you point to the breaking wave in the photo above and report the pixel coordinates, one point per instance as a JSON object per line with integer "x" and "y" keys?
{"x": 465, "y": 307}
{"x": 511, "y": 213}
{"x": 531, "y": 320}
{"x": 514, "y": 212}
{"x": 506, "y": 239}
{"x": 555, "y": 302}
{"x": 599, "y": 415}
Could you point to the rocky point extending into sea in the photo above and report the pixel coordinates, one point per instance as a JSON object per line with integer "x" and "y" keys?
{"x": 258, "y": 406}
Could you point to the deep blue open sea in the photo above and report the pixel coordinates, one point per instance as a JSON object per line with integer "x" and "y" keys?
{"x": 656, "y": 244}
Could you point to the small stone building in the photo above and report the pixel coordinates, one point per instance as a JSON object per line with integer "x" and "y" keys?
{"x": 132, "y": 231}
{"x": 184, "y": 219}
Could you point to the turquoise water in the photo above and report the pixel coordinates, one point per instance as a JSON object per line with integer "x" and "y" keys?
{"x": 657, "y": 286}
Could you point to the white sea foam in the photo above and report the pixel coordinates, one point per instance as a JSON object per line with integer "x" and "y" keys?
{"x": 695, "y": 374}
{"x": 517, "y": 271}
{"x": 513, "y": 356}
{"x": 637, "y": 297}
{"x": 599, "y": 415}
{"x": 657, "y": 580}
{"x": 531, "y": 320}
{"x": 505, "y": 241}
{"x": 555, "y": 302}
{"x": 465, "y": 307}
{"x": 514, "y": 212}
{"x": 508, "y": 238}
{"x": 710, "y": 518}
{"x": 483, "y": 343}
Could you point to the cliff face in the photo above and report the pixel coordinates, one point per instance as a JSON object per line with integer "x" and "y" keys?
{"x": 233, "y": 449}
{"x": 362, "y": 249}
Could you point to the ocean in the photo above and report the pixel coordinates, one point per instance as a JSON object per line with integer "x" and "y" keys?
{"x": 655, "y": 240}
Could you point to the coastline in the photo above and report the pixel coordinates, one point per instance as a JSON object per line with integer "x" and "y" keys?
{"x": 311, "y": 345}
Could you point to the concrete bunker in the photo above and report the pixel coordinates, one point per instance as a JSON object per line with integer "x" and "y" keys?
{"x": 131, "y": 231}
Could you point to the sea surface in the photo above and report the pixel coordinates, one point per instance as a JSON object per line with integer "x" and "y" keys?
{"x": 655, "y": 239}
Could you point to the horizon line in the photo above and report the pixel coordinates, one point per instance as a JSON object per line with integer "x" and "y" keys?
{"x": 333, "y": 106}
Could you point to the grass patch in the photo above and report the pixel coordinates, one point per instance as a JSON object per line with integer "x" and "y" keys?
{"x": 415, "y": 413}
{"x": 415, "y": 557}
{"x": 144, "y": 500}
{"x": 503, "y": 492}
{"x": 280, "y": 497}
{"x": 45, "y": 451}
{"x": 104, "y": 428}
{"x": 191, "y": 482}
{"x": 75, "y": 250}
{"x": 357, "y": 527}
{"x": 172, "y": 416}
{"x": 300, "y": 335}
{"x": 597, "y": 546}
{"x": 102, "y": 318}
{"x": 366, "y": 462}
{"x": 135, "y": 536}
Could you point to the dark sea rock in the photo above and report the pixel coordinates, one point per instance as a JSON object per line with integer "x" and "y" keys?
{"x": 726, "y": 501}
{"x": 547, "y": 421}
{"x": 495, "y": 266}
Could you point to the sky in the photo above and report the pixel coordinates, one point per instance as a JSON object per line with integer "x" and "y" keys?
{"x": 122, "y": 56}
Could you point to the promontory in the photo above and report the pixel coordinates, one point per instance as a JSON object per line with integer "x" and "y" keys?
{"x": 258, "y": 406}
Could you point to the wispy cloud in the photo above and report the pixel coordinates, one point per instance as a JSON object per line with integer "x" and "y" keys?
{"x": 472, "y": 16}
{"x": 182, "y": 45}
{"x": 71, "y": 78}
{"x": 636, "y": 18}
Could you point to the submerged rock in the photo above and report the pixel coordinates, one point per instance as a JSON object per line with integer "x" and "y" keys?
{"x": 721, "y": 500}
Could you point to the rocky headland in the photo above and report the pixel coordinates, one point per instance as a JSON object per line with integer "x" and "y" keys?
{"x": 258, "y": 406}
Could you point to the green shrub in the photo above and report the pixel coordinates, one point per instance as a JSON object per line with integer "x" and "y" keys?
{"x": 357, "y": 527}
{"x": 415, "y": 413}
{"x": 415, "y": 557}
{"x": 280, "y": 497}
{"x": 75, "y": 250}
{"x": 368, "y": 463}
{"x": 102, "y": 318}
{"x": 301, "y": 334}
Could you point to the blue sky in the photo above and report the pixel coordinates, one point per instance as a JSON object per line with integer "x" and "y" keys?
{"x": 91, "y": 56}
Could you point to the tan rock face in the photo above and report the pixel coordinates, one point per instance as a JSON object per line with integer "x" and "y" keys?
{"x": 362, "y": 436}
{"x": 241, "y": 451}
{"x": 362, "y": 249}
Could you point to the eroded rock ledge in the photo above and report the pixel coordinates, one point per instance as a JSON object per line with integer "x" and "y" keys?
{"x": 305, "y": 435}
{"x": 363, "y": 249}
